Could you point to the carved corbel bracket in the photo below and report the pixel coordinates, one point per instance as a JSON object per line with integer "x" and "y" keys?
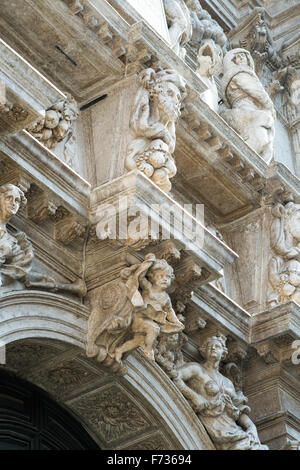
{"x": 40, "y": 207}
{"x": 268, "y": 352}
{"x": 189, "y": 274}
{"x": 67, "y": 228}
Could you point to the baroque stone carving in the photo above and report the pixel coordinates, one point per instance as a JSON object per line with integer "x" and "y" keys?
{"x": 138, "y": 309}
{"x": 251, "y": 112}
{"x": 168, "y": 351}
{"x": 56, "y": 125}
{"x": 284, "y": 266}
{"x": 259, "y": 43}
{"x": 16, "y": 252}
{"x": 209, "y": 58}
{"x": 179, "y": 24}
{"x": 111, "y": 413}
{"x": 222, "y": 410}
{"x": 204, "y": 28}
{"x": 156, "y": 109}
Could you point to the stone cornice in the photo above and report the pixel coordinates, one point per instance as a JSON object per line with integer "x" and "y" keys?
{"x": 281, "y": 320}
{"x": 46, "y": 168}
{"x": 219, "y": 308}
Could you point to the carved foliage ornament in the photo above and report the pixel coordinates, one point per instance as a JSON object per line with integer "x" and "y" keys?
{"x": 16, "y": 252}
{"x": 155, "y": 112}
{"x": 56, "y": 124}
{"x": 112, "y": 414}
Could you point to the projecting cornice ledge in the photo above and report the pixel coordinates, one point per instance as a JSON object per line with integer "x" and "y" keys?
{"x": 143, "y": 195}
{"x": 24, "y": 91}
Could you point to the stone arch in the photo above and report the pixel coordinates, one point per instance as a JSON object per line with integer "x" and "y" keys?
{"x": 35, "y": 314}
{"x": 45, "y": 339}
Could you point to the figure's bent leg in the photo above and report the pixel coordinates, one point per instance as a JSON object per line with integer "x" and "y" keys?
{"x": 128, "y": 346}
{"x": 152, "y": 333}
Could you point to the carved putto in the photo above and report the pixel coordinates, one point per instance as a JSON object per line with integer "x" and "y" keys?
{"x": 155, "y": 112}
{"x": 137, "y": 310}
{"x": 284, "y": 266}
{"x": 16, "y": 252}
{"x": 222, "y": 410}
{"x": 251, "y": 111}
{"x": 56, "y": 123}
{"x": 179, "y": 24}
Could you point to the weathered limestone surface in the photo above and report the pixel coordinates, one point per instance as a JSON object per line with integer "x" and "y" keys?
{"x": 116, "y": 127}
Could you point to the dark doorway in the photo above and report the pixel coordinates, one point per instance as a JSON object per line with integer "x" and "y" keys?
{"x": 31, "y": 420}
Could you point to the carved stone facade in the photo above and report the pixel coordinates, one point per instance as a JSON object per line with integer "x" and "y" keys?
{"x": 149, "y": 206}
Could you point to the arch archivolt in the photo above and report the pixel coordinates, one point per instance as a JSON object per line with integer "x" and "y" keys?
{"x": 45, "y": 334}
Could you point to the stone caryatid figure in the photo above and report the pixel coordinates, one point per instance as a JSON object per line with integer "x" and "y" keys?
{"x": 284, "y": 266}
{"x": 144, "y": 311}
{"x": 222, "y": 410}
{"x": 155, "y": 112}
{"x": 251, "y": 111}
{"x": 179, "y": 24}
{"x": 210, "y": 59}
{"x": 16, "y": 252}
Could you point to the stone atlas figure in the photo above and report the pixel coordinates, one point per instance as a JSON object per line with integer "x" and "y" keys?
{"x": 284, "y": 266}
{"x": 251, "y": 112}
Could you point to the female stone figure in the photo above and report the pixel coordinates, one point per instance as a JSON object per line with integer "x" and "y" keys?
{"x": 251, "y": 111}
{"x": 221, "y": 409}
{"x": 16, "y": 253}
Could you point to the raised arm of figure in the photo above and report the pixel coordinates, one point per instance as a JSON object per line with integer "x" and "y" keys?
{"x": 185, "y": 373}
